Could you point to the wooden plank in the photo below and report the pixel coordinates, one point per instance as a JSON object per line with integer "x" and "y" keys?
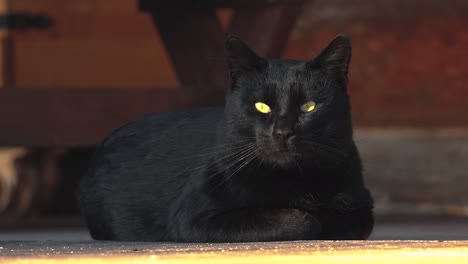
{"x": 148, "y": 5}
{"x": 91, "y": 44}
{"x": 195, "y": 43}
{"x": 100, "y": 63}
{"x": 275, "y": 252}
{"x": 193, "y": 36}
{"x": 7, "y": 62}
{"x": 83, "y": 117}
{"x": 6, "y": 50}
{"x": 266, "y": 29}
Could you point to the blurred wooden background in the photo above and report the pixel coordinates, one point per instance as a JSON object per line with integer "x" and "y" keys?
{"x": 410, "y": 54}
{"x": 101, "y": 64}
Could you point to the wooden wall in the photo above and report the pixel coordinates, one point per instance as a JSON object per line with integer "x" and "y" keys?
{"x": 93, "y": 43}
{"x": 409, "y": 65}
{"x": 410, "y": 58}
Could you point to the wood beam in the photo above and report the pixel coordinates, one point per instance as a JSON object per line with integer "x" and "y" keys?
{"x": 146, "y": 5}
{"x": 83, "y": 117}
{"x": 194, "y": 40}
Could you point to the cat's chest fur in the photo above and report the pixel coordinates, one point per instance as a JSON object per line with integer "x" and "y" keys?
{"x": 262, "y": 186}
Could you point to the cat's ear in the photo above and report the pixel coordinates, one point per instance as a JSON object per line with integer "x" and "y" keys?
{"x": 240, "y": 57}
{"x": 337, "y": 55}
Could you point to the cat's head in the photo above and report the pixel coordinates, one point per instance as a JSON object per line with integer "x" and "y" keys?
{"x": 290, "y": 111}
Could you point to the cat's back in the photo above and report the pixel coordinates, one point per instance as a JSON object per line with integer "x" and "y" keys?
{"x": 145, "y": 164}
{"x": 157, "y": 137}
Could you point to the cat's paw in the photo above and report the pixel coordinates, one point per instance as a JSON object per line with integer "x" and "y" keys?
{"x": 345, "y": 202}
{"x": 306, "y": 203}
{"x": 342, "y": 202}
{"x": 301, "y": 223}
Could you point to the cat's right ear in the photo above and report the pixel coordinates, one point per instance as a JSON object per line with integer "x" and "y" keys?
{"x": 240, "y": 57}
{"x": 337, "y": 55}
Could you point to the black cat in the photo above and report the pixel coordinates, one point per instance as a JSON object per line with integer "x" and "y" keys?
{"x": 277, "y": 163}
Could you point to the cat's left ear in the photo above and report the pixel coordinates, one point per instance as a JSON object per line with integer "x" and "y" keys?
{"x": 240, "y": 57}
{"x": 337, "y": 55}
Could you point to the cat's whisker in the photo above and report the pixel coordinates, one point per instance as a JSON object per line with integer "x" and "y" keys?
{"x": 327, "y": 147}
{"x": 233, "y": 142}
{"x": 318, "y": 136}
{"x": 226, "y": 158}
{"x": 251, "y": 157}
{"x": 235, "y": 150}
{"x": 230, "y": 145}
{"x": 221, "y": 148}
{"x": 247, "y": 159}
{"x": 316, "y": 146}
{"x": 239, "y": 157}
{"x": 244, "y": 152}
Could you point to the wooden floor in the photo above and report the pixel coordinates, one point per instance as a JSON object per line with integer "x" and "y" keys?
{"x": 273, "y": 252}
{"x": 396, "y": 240}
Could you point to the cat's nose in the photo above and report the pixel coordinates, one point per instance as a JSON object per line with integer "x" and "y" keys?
{"x": 283, "y": 133}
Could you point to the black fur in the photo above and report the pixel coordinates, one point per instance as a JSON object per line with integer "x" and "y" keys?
{"x": 235, "y": 174}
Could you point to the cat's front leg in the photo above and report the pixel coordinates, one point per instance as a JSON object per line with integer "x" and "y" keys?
{"x": 353, "y": 225}
{"x": 348, "y": 218}
{"x": 249, "y": 224}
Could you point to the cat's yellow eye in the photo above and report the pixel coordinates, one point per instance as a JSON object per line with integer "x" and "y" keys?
{"x": 262, "y": 108}
{"x": 309, "y": 106}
